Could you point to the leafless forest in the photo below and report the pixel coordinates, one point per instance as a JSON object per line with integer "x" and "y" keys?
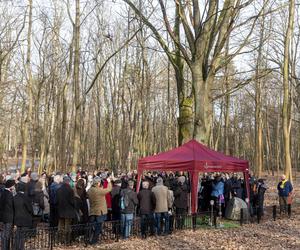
{"x": 101, "y": 83}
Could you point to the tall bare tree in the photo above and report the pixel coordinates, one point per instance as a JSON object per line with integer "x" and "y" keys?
{"x": 27, "y": 123}
{"x": 286, "y": 105}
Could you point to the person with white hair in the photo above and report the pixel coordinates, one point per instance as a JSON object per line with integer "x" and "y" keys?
{"x": 147, "y": 203}
{"x": 285, "y": 189}
{"x": 55, "y": 185}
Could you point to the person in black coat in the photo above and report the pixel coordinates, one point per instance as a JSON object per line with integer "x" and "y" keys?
{"x": 147, "y": 203}
{"x": 31, "y": 185}
{"x": 83, "y": 206}
{"x": 7, "y": 212}
{"x": 66, "y": 208}
{"x": 23, "y": 215}
{"x": 115, "y": 200}
{"x": 181, "y": 201}
{"x": 54, "y": 186}
{"x": 227, "y": 189}
{"x": 236, "y": 186}
{"x": 115, "y": 205}
{"x": 38, "y": 203}
{"x": 206, "y": 189}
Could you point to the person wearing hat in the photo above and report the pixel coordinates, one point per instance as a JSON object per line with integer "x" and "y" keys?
{"x": 7, "y": 212}
{"x": 65, "y": 207}
{"x": 23, "y": 215}
{"x": 162, "y": 197}
{"x": 285, "y": 189}
{"x": 98, "y": 207}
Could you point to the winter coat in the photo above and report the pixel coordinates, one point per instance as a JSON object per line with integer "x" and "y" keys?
{"x": 217, "y": 188}
{"x": 147, "y": 201}
{"x": 66, "y": 202}
{"x": 286, "y": 190}
{"x": 46, "y": 202}
{"x": 97, "y": 199}
{"x": 83, "y": 207}
{"x": 23, "y": 210}
{"x": 162, "y": 196}
{"x": 115, "y": 199}
{"x": 31, "y": 189}
{"x": 227, "y": 189}
{"x": 38, "y": 198}
{"x": 53, "y": 192}
{"x": 7, "y": 207}
{"x": 236, "y": 188}
{"x": 181, "y": 196}
{"x": 107, "y": 196}
{"x": 132, "y": 201}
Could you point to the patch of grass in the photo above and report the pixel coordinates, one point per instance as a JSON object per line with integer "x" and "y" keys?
{"x": 204, "y": 222}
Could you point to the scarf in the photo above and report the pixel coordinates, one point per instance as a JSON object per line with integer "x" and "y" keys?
{"x": 282, "y": 184}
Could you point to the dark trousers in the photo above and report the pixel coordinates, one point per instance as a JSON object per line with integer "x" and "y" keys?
{"x": 97, "y": 222}
{"x": 283, "y": 204}
{"x": 21, "y": 234}
{"x": 180, "y": 217}
{"x": 53, "y": 216}
{"x": 65, "y": 229}
{"x": 116, "y": 225}
{"x": 162, "y": 217}
{"x": 6, "y": 236}
{"x": 147, "y": 222}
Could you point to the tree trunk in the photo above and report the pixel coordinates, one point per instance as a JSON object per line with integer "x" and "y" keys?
{"x": 226, "y": 114}
{"x": 203, "y": 105}
{"x": 76, "y": 141}
{"x": 185, "y": 102}
{"x": 27, "y": 122}
{"x": 286, "y": 106}
{"x": 258, "y": 108}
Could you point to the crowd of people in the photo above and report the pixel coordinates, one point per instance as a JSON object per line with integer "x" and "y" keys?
{"x": 62, "y": 200}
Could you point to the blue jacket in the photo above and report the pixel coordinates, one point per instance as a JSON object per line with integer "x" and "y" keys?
{"x": 287, "y": 188}
{"x": 53, "y": 192}
{"x": 217, "y": 188}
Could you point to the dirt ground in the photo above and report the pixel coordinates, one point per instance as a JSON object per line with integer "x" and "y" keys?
{"x": 283, "y": 233}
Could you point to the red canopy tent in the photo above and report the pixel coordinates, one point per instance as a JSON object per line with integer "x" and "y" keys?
{"x": 193, "y": 157}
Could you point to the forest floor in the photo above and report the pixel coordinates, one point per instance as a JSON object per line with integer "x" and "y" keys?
{"x": 284, "y": 233}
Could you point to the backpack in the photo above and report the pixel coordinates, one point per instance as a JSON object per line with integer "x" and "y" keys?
{"x": 124, "y": 200}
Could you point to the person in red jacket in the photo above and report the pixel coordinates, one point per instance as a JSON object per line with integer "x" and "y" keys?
{"x": 107, "y": 197}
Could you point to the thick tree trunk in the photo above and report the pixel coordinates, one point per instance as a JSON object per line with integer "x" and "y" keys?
{"x": 185, "y": 103}
{"x": 203, "y": 105}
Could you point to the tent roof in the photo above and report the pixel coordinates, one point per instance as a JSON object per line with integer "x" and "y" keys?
{"x": 193, "y": 156}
